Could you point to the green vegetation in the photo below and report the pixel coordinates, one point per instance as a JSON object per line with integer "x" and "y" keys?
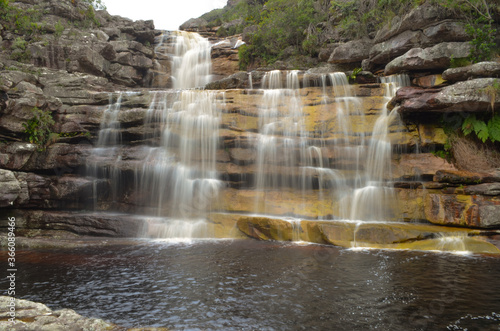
{"x": 460, "y": 62}
{"x": 276, "y": 27}
{"x": 279, "y": 29}
{"x": 479, "y": 19}
{"x": 38, "y": 129}
{"x": 354, "y": 74}
{"x": 59, "y": 29}
{"x": 484, "y": 130}
{"x": 359, "y": 18}
{"x": 19, "y": 50}
{"x": 96, "y": 4}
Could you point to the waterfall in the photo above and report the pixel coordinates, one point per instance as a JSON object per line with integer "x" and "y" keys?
{"x": 287, "y": 158}
{"x": 320, "y": 153}
{"x": 182, "y": 60}
{"x": 374, "y": 198}
{"x": 179, "y": 176}
{"x": 104, "y": 160}
{"x": 191, "y": 61}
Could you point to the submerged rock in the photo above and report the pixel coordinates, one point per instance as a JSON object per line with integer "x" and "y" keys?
{"x": 389, "y": 235}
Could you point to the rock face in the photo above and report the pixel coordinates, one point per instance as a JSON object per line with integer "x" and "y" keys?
{"x": 432, "y": 58}
{"x": 112, "y": 47}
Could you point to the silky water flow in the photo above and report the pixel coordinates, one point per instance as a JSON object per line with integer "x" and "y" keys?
{"x": 177, "y": 181}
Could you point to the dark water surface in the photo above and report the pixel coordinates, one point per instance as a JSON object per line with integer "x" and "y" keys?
{"x": 251, "y": 285}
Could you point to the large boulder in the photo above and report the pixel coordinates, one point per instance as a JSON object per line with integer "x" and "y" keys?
{"x": 468, "y": 96}
{"x": 385, "y": 50}
{"x": 437, "y": 57}
{"x": 477, "y": 70}
{"x": 351, "y": 51}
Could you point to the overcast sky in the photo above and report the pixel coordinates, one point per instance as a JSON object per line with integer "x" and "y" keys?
{"x": 167, "y": 14}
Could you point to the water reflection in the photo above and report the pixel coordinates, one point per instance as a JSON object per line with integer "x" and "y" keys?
{"x": 249, "y": 285}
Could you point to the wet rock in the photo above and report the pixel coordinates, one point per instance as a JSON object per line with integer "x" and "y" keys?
{"x": 36, "y": 316}
{"x": 478, "y": 70}
{"x": 225, "y": 60}
{"x": 9, "y": 188}
{"x": 264, "y": 228}
{"x": 117, "y": 226}
{"x": 419, "y": 166}
{"x": 432, "y": 58}
{"x": 462, "y": 210}
{"x": 484, "y": 189}
{"x": 239, "y": 80}
{"x": 490, "y": 216}
{"x": 458, "y": 177}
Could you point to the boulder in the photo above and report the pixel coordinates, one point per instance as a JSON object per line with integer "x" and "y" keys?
{"x": 477, "y": 70}
{"x": 264, "y": 228}
{"x": 399, "y": 43}
{"x": 351, "y": 51}
{"x": 386, "y": 51}
{"x": 437, "y": 57}
{"x": 467, "y": 96}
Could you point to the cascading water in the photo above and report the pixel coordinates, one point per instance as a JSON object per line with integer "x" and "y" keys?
{"x": 179, "y": 176}
{"x": 285, "y": 158}
{"x": 176, "y": 182}
{"x": 374, "y": 197}
{"x": 105, "y": 157}
{"x": 288, "y": 157}
{"x": 191, "y": 61}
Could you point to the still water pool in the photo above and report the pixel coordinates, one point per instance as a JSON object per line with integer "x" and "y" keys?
{"x": 251, "y": 285}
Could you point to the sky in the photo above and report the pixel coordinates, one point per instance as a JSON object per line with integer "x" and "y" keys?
{"x": 167, "y": 14}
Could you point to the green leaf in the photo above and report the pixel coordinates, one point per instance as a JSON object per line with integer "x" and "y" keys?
{"x": 481, "y": 130}
{"x": 494, "y": 128}
{"x": 467, "y": 126}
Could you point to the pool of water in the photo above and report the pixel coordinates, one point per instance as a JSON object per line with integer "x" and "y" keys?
{"x": 251, "y": 285}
